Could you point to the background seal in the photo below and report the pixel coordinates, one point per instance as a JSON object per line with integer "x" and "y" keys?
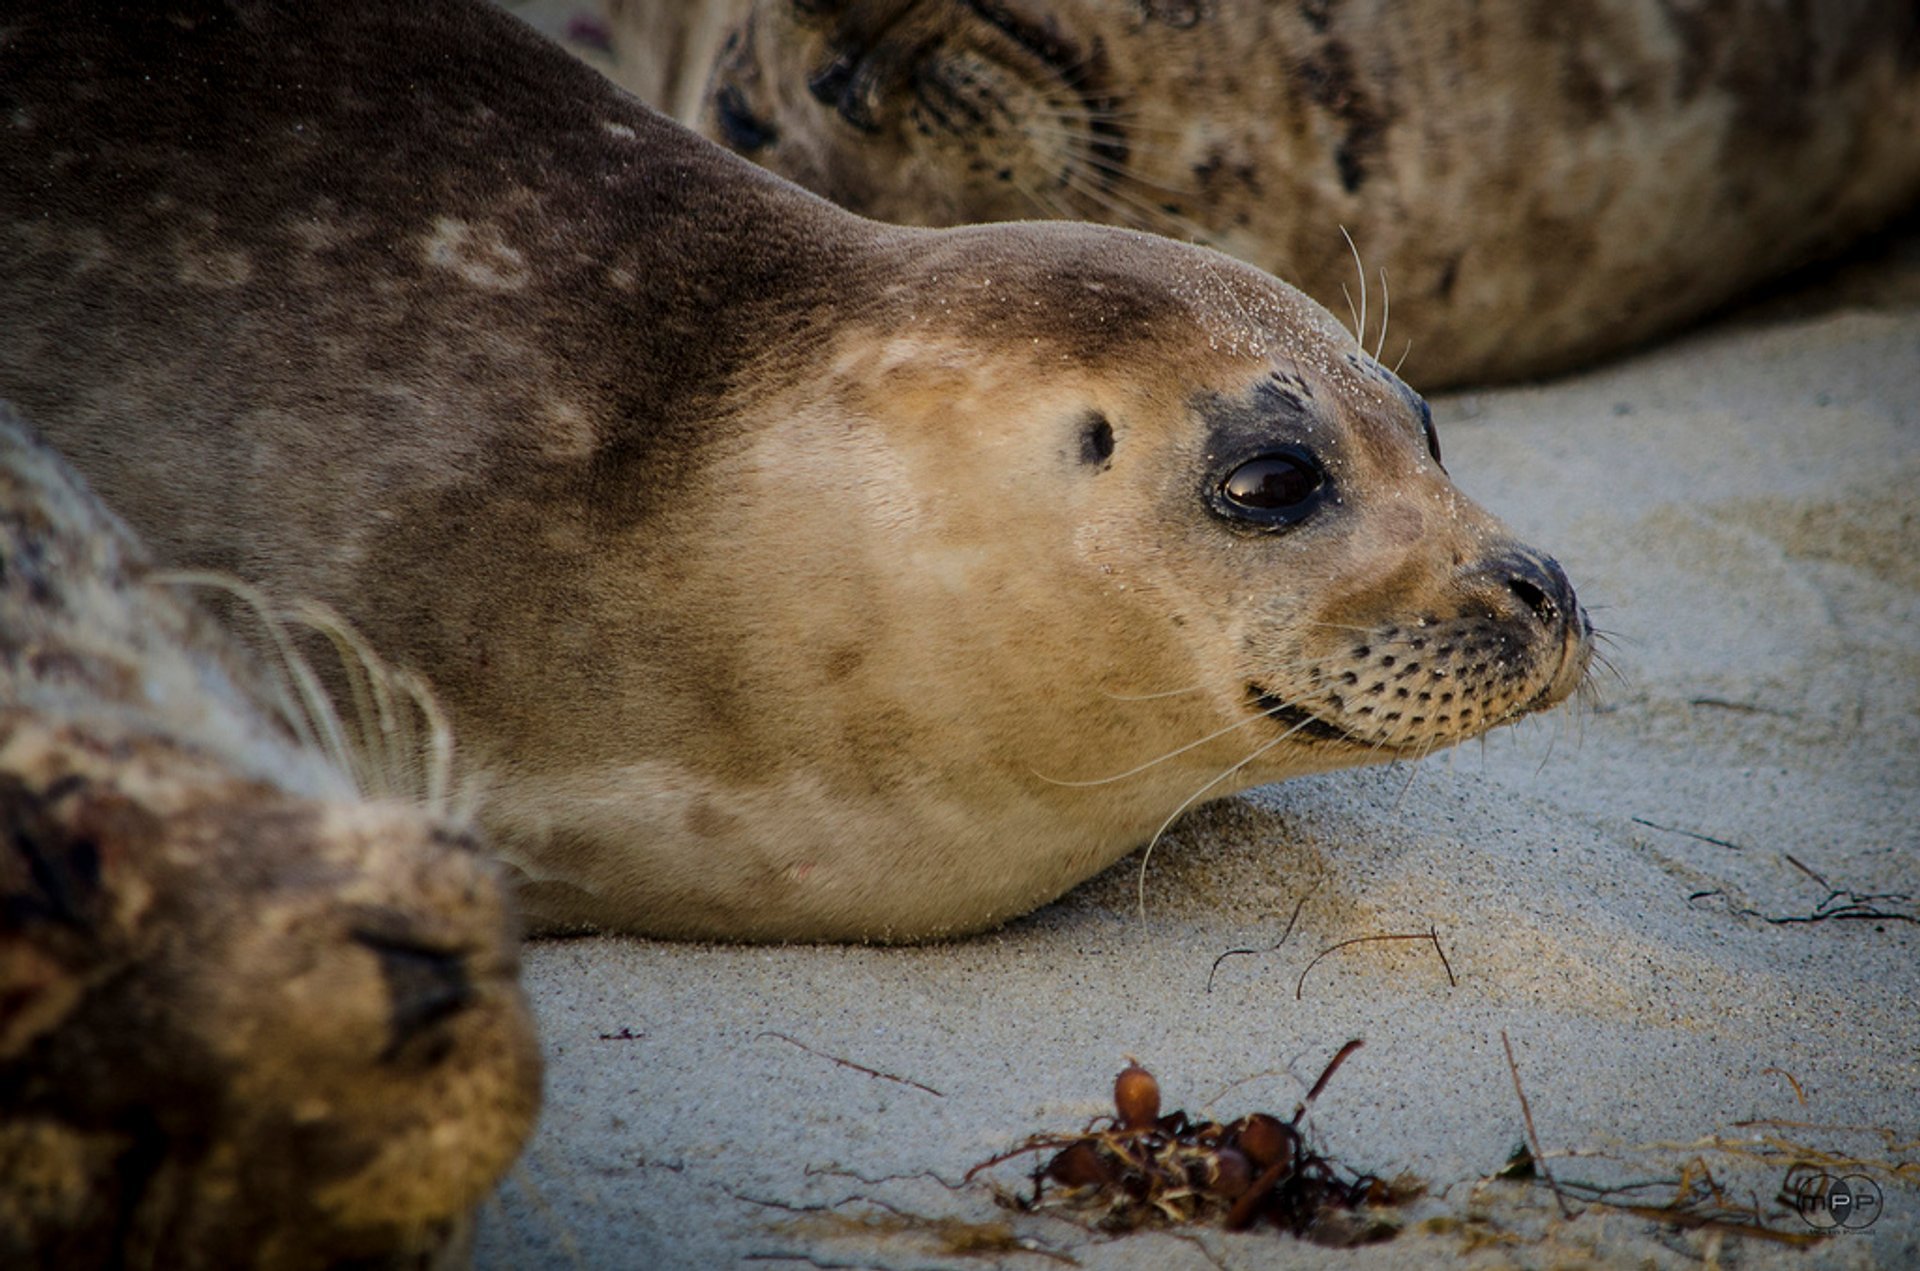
{"x": 1542, "y": 185}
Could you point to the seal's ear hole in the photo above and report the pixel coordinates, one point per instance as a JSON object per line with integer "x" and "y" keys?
{"x": 1096, "y": 439}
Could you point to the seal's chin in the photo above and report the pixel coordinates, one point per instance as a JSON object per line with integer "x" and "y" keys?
{"x": 1301, "y": 724}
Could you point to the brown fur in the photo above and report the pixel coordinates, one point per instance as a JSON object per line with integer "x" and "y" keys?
{"x": 1542, "y": 183}
{"x": 781, "y": 571}
{"x": 246, "y": 1018}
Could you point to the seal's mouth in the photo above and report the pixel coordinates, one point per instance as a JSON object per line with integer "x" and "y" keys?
{"x": 1301, "y": 723}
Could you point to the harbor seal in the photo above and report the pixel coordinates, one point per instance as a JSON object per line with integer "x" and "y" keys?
{"x": 247, "y": 1017}
{"x": 1541, "y": 184}
{"x": 785, "y": 575}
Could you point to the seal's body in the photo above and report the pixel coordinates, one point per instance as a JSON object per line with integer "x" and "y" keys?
{"x": 785, "y": 575}
{"x": 247, "y": 1017}
{"x": 1542, "y": 184}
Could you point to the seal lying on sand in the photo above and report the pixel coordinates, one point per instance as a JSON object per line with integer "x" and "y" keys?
{"x": 785, "y": 575}
{"x": 1542, "y": 183}
{"x": 246, "y": 1017}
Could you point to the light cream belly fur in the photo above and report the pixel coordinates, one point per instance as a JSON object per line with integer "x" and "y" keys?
{"x": 786, "y": 575}
{"x": 1542, "y": 184}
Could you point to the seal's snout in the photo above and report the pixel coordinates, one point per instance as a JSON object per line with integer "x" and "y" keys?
{"x": 1531, "y": 585}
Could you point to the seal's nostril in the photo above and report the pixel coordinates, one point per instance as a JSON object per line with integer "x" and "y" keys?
{"x": 1544, "y": 607}
{"x": 1541, "y": 585}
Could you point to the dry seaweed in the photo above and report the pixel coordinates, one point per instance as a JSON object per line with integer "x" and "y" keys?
{"x": 1140, "y": 1168}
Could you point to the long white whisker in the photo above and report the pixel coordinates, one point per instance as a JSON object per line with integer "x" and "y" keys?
{"x": 1183, "y": 749}
{"x": 1121, "y": 172}
{"x": 1047, "y": 208}
{"x": 1102, "y": 203}
{"x": 314, "y": 717}
{"x": 1386, "y": 311}
{"x": 1150, "y": 697}
{"x": 1360, "y": 335}
{"x": 387, "y": 760}
{"x": 1140, "y": 887}
{"x": 1147, "y": 212}
{"x": 1134, "y": 211}
{"x": 1171, "y": 754}
{"x": 1086, "y": 137}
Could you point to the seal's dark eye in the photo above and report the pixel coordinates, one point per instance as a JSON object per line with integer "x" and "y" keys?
{"x": 1274, "y": 486}
{"x": 746, "y": 131}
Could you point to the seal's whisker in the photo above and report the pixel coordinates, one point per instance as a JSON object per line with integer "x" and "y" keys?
{"x": 1152, "y": 213}
{"x": 1149, "y": 697}
{"x": 1083, "y": 129}
{"x": 1118, "y": 115}
{"x": 1046, "y": 207}
{"x": 1403, "y": 356}
{"x": 1135, "y": 212}
{"x": 1386, "y": 311}
{"x": 1091, "y": 143}
{"x": 1097, "y": 162}
{"x": 385, "y": 758}
{"x": 1303, "y": 664}
{"x": 1175, "y": 753}
{"x": 1360, "y": 320}
{"x": 1127, "y": 177}
{"x": 1139, "y": 134}
{"x": 405, "y": 766}
{"x": 1604, "y": 662}
{"x": 1553, "y": 739}
{"x": 1048, "y": 201}
{"x": 1140, "y": 886}
{"x": 308, "y": 710}
{"x": 1126, "y": 213}
{"x": 1413, "y": 774}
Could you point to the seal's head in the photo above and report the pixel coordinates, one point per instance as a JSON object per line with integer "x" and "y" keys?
{"x": 1063, "y": 529}
{"x": 247, "y": 1017}
{"x": 933, "y": 114}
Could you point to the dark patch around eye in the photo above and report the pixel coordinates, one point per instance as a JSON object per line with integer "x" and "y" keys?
{"x": 746, "y": 131}
{"x": 1096, "y": 439}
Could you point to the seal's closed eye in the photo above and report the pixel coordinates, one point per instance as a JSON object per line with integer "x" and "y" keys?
{"x": 427, "y": 985}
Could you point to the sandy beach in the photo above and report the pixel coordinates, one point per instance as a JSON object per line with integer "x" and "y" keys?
{"x": 1689, "y": 903}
